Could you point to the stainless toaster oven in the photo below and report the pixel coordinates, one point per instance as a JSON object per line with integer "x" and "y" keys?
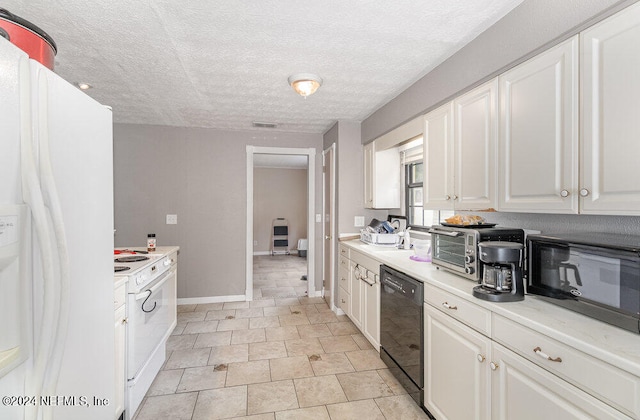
{"x": 456, "y": 248}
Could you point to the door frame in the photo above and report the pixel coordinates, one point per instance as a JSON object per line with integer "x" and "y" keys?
{"x": 332, "y": 223}
{"x": 311, "y": 176}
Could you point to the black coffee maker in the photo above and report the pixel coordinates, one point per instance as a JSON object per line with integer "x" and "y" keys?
{"x": 501, "y": 279}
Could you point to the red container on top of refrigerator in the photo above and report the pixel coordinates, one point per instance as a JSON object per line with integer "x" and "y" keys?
{"x": 28, "y": 37}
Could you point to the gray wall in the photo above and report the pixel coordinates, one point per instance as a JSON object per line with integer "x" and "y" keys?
{"x": 200, "y": 175}
{"x": 279, "y": 192}
{"x": 528, "y": 29}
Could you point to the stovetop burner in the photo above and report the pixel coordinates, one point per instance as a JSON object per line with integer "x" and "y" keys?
{"x": 133, "y": 258}
{"x": 119, "y": 268}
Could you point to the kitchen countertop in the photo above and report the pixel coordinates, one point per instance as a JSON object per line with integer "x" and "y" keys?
{"x": 613, "y": 345}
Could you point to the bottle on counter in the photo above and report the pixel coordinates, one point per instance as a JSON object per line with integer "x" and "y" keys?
{"x": 407, "y": 239}
{"x": 151, "y": 242}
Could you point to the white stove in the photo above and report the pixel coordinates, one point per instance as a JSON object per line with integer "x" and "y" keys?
{"x": 141, "y": 269}
{"x": 151, "y": 311}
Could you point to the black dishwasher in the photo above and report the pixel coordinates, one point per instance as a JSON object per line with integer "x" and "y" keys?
{"x": 401, "y": 329}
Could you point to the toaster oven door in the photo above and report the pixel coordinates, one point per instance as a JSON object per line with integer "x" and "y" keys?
{"x": 449, "y": 250}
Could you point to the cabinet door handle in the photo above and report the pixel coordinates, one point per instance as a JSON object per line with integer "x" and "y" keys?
{"x": 455, "y": 197}
{"x": 446, "y": 305}
{"x": 584, "y": 192}
{"x": 494, "y": 365}
{"x": 125, "y": 320}
{"x": 542, "y": 354}
{"x": 481, "y": 358}
{"x": 343, "y": 301}
{"x": 447, "y": 197}
{"x": 564, "y": 193}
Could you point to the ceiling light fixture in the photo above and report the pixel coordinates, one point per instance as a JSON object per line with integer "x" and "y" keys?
{"x": 83, "y": 86}
{"x": 305, "y": 84}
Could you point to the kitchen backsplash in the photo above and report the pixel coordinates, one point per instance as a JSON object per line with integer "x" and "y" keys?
{"x": 548, "y": 223}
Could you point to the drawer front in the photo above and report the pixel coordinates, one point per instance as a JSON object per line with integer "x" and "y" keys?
{"x": 608, "y": 383}
{"x": 366, "y": 262}
{"x": 343, "y": 262}
{"x": 344, "y": 251}
{"x": 344, "y": 301}
{"x": 119, "y": 296}
{"x": 473, "y": 315}
{"x": 343, "y": 278}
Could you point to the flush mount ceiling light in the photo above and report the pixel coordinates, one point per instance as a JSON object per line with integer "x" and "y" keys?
{"x": 83, "y": 85}
{"x": 305, "y": 83}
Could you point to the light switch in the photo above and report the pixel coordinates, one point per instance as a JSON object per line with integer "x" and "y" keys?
{"x": 358, "y": 221}
{"x": 172, "y": 219}
{"x": 318, "y": 218}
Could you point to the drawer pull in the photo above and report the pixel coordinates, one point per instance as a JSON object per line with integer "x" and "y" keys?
{"x": 540, "y": 353}
{"x": 481, "y": 358}
{"x": 446, "y": 305}
{"x": 494, "y": 365}
{"x": 343, "y": 301}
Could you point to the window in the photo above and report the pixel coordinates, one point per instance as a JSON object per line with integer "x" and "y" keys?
{"x": 417, "y": 217}
{"x": 414, "y": 177}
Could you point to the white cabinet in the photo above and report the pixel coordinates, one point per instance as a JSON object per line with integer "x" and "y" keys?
{"x": 356, "y": 295}
{"x": 359, "y": 293}
{"x": 457, "y": 378}
{"x": 371, "y": 307}
{"x": 460, "y": 150}
{"x": 521, "y": 390}
{"x": 476, "y": 371}
{"x": 538, "y": 143}
{"x": 610, "y": 123}
{"x": 344, "y": 281}
{"x": 566, "y": 148}
{"x": 120, "y": 326}
{"x": 381, "y": 177}
{"x": 438, "y": 158}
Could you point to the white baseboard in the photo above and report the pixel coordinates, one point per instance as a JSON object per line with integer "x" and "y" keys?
{"x": 211, "y": 299}
{"x": 292, "y": 252}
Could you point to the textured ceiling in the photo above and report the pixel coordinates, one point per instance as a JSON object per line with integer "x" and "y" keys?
{"x": 225, "y": 64}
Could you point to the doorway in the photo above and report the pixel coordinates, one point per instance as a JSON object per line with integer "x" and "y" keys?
{"x": 255, "y": 153}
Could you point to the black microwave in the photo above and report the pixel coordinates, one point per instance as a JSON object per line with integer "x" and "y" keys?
{"x": 596, "y": 274}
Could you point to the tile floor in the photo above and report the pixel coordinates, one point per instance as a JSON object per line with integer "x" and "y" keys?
{"x": 275, "y": 358}
{"x": 279, "y": 276}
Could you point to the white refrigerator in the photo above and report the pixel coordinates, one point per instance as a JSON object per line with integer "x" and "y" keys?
{"x": 56, "y": 246}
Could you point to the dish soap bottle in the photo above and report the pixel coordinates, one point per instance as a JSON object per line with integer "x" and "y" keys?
{"x": 151, "y": 242}
{"x": 407, "y": 239}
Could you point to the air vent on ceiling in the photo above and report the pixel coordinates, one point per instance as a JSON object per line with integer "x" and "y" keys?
{"x": 261, "y": 124}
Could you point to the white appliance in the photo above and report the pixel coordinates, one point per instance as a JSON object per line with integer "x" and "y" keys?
{"x": 151, "y": 306}
{"x": 56, "y": 270}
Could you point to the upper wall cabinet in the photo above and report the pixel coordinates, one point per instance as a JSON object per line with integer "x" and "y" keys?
{"x": 610, "y": 120}
{"x": 382, "y": 189}
{"x": 538, "y": 145}
{"x": 381, "y": 177}
{"x": 459, "y": 152}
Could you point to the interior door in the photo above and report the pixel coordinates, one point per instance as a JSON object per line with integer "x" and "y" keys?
{"x": 328, "y": 185}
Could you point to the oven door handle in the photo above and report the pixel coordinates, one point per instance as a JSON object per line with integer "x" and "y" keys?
{"x": 445, "y": 232}
{"x": 145, "y": 294}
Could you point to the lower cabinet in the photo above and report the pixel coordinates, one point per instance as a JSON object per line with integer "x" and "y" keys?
{"x": 469, "y": 376}
{"x": 371, "y": 317}
{"x": 356, "y": 295}
{"x": 522, "y": 390}
{"x": 457, "y": 378}
{"x": 359, "y": 293}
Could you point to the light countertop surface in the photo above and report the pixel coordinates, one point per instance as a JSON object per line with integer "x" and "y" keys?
{"x": 613, "y": 345}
